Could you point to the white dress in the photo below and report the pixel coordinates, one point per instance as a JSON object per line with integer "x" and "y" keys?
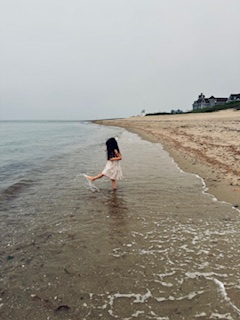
{"x": 113, "y": 170}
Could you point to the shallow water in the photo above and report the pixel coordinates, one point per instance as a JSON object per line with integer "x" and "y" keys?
{"x": 158, "y": 248}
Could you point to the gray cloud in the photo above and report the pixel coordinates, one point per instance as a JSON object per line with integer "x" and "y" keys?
{"x": 112, "y": 58}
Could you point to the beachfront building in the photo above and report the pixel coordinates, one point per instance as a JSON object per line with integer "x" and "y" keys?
{"x": 203, "y": 102}
{"x": 234, "y": 97}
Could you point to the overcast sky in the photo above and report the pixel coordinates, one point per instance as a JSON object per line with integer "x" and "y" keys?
{"x": 89, "y": 59}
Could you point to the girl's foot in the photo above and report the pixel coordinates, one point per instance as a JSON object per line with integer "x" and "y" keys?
{"x": 90, "y": 178}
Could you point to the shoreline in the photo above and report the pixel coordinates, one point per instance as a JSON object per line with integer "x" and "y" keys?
{"x": 204, "y": 144}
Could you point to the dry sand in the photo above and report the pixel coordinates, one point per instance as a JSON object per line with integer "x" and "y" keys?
{"x": 206, "y": 144}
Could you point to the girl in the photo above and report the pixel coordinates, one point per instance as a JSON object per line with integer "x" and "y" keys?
{"x": 112, "y": 169}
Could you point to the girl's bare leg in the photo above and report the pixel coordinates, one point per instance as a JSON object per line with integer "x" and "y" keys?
{"x": 100, "y": 175}
{"x": 114, "y": 185}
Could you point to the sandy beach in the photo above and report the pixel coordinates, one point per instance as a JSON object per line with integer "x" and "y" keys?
{"x": 206, "y": 144}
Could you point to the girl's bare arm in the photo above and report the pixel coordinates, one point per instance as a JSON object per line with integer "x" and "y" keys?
{"x": 118, "y": 156}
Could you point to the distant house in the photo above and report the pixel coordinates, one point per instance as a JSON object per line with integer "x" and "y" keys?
{"x": 203, "y": 102}
{"x": 234, "y": 97}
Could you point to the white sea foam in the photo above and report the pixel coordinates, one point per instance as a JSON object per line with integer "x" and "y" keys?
{"x": 134, "y": 234}
{"x": 194, "y": 275}
{"x": 220, "y": 287}
{"x": 117, "y": 252}
{"x": 138, "y": 298}
{"x": 223, "y": 293}
{"x": 185, "y": 247}
{"x": 162, "y": 275}
{"x": 225, "y": 316}
{"x": 191, "y": 295}
{"x": 202, "y": 314}
{"x": 165, "y": 284}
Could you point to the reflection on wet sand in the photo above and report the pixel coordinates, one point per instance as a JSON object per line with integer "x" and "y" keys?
{"x": 117, "y": 207}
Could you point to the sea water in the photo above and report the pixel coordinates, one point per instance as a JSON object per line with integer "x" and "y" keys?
{"x": 158, "y": 248}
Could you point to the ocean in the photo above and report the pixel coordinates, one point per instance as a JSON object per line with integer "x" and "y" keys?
{"x": 160, "y": 247}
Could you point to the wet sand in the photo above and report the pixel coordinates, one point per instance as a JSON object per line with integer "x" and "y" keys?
{"x": 206, "y": 144}
{"x": 158, "y": 248}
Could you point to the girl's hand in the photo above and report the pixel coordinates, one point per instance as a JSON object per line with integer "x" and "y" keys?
{"x": 118, "y": 156}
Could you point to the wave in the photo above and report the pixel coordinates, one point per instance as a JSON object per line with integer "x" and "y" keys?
{"x": 15, "y": 189}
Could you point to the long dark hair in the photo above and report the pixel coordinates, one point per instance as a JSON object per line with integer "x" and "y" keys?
{"x": 111, "y": 146}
